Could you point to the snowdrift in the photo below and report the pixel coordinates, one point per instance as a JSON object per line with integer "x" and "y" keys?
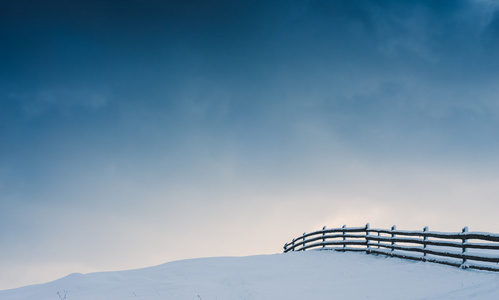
{"x": 299, "y": 275}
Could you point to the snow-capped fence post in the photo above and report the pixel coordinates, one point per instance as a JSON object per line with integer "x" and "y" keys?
{"x": 425, "y": 239}
{"x": 368, "y": 249}
{"x": 344, "y": 238}
{"x": 394, "y": 227}
{"x": 464, "y": 231}
{"x": 323, "y": 237}
{"x": 379, "y": 240}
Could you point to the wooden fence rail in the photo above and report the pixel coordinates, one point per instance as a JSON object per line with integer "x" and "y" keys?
{"x": 476, "y": 250}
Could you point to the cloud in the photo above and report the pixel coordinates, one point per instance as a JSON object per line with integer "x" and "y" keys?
{"x": 63, "y": 100}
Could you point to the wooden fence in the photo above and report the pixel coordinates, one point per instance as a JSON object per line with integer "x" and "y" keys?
{"x": 476, "y": 250}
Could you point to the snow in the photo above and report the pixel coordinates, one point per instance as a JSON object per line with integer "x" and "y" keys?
{"x": 295, "y": 275}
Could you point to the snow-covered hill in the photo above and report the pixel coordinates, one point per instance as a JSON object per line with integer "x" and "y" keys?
{"x": 301, "y": 275}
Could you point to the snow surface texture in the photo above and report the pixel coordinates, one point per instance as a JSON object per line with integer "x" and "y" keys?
{"x": 299, "y": 275}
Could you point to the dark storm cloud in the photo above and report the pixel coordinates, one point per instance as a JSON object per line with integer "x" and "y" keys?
{"x": 86, "y": 79}
{"x": 64, "y": 33}
{"x": 143, "y": 47}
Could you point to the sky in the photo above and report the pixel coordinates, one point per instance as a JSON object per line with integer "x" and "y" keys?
{"x": 134, "y": 133}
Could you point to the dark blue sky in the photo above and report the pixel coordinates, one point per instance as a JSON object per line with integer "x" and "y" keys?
{"x": 133, "y": 131}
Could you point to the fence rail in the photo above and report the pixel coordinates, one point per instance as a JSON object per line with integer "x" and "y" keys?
{"x": 475, "y": 250}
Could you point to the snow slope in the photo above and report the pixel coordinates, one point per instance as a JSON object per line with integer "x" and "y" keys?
{"x": 299, "y": 275}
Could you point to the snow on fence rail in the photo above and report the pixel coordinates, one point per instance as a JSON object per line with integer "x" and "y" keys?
{"x": 475, "y": 250}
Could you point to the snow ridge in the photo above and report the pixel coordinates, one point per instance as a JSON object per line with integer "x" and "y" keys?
{"x": 298, "y": 275}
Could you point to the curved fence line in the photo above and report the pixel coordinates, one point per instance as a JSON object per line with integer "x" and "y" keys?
{"x": 475, "y": 250}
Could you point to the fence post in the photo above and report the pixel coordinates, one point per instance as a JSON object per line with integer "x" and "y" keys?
{"x": 368, "y": 249}
{"x": 394, "y": 227}
{"x": 293, "y": 244}
{"x": 303, "y": 237}
{"x": 344, "y": 239}
{"x": 379, "y": 242}
{"x": 425, "y": 239}
{"x": 465, "y": 230}
{"x": 323, "y": 237}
